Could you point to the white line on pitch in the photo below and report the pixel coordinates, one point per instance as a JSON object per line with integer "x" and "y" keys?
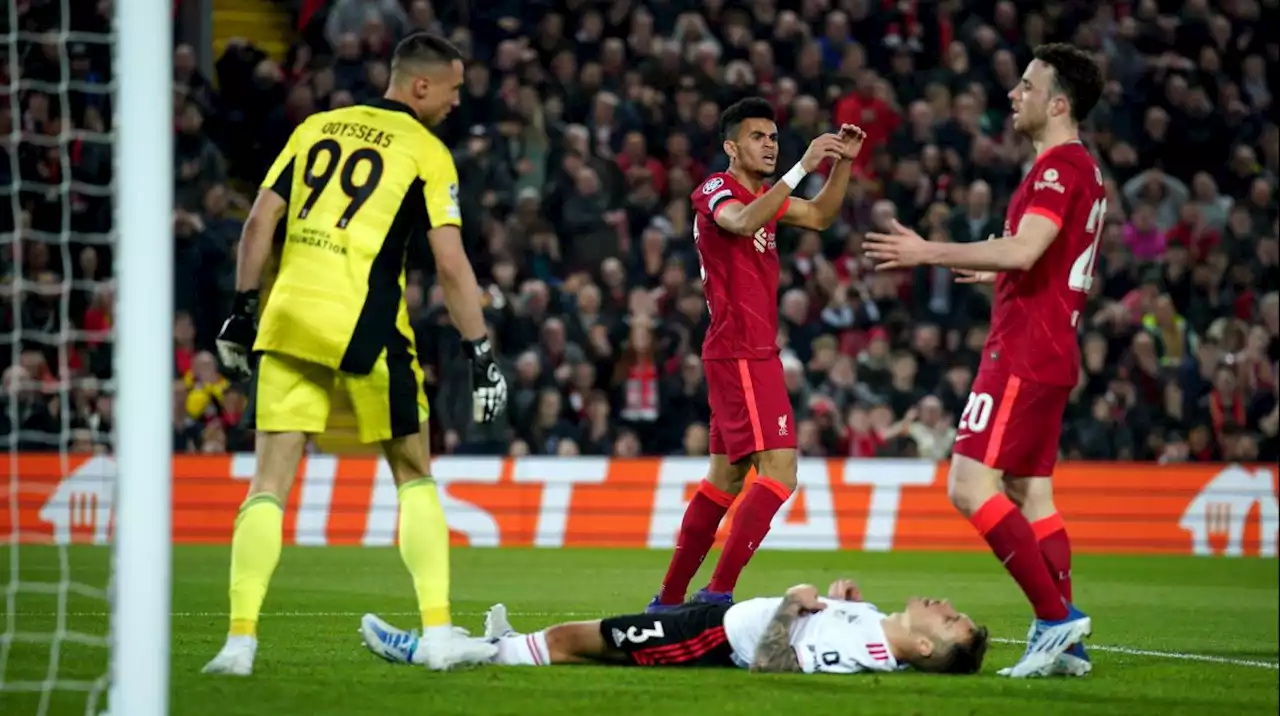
{"x": 1204, "y": 658}
{"x": 1128, "y": 651}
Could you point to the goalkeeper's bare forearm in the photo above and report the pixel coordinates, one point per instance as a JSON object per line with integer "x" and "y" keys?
{"x": 458, "y": 279}
{"x": 240, "y": 330}
{"x": 255, "y": 239}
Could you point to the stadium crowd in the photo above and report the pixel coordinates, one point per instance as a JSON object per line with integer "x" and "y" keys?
{"x": 582, "y": 129}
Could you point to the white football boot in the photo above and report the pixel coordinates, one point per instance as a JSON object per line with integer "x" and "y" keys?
{"x": 437, "y": 650}
{"x": 496, "y": 624}
{"x": 1049, "y": 640}
{"x": 448, "y": 649}
{"x": 236, "y": 657}
{"x": 1074, "y": 662}
{"x": 388, "y": 642}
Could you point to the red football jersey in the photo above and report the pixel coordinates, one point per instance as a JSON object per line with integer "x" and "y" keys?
{"x": 739, "y": 275}
{"x": 1034, "y": 322}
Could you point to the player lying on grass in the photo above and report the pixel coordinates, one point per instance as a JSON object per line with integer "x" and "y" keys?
{"x": 798, "y": 632}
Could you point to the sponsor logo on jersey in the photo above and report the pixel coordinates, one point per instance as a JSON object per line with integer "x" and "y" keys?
{"x": 1220, "y": 513}
{"x": 711, "y": 185}
{"x": 765, "y": 240}
{"x": 1049, "y": 180}
{"x": 618, "y": 637}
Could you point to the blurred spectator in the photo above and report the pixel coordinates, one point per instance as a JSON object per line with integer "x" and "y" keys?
{"x": 580, "y": 133}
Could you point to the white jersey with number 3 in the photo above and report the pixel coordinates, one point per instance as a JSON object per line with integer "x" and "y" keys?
{"x": 844, "y": 638}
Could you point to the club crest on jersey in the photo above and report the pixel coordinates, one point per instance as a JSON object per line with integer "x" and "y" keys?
{"x": 711, "y": 185}
{"x": 782, "y": 426}
{"x": 1049, "y": 180}
{"x": 765, "y": 240}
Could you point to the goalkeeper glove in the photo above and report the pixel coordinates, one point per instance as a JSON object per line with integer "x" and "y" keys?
{"x": 235, "y": 340}
{"x": 488, "y": 385}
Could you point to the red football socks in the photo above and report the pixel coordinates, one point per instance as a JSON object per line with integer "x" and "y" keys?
{"x": 697, "y": 534}
{"x": 1055, "y": 548}
{"x": 750, "y": 525}
{"x": 1014, "y": 544}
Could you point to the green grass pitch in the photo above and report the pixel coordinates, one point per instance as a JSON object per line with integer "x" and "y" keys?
{"x": 1172, "y": 636}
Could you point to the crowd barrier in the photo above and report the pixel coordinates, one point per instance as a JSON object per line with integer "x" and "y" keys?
{"x": 597, "y": 502}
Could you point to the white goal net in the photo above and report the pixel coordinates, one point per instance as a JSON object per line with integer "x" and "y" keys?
{"x": 61, "y": 107}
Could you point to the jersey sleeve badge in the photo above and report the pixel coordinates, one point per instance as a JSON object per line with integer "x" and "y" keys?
{"x": 453, "y": 211}
{"x": 711, "y": 195}
{"x": 1049, "y": 179}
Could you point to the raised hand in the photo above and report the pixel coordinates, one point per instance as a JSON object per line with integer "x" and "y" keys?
{"x": 845, "y": 590}
{"x": 822, "y": 148}
{"x": 806, "y": 597}
{"x": 903, "y": 248}
{"x": 852, "y": 136}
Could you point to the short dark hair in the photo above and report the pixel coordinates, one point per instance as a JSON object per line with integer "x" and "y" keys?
{"x": 749, "y": 108}
{"x": 966, "y": 658}
{"x": 425, "y": 48}
{"x": 1076, "y": 75}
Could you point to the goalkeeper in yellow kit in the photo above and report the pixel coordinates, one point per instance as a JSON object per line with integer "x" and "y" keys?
{"x": 358, "y": 184}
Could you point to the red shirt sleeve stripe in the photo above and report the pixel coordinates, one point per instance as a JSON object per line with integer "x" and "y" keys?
{"x": 781, "y": 212}
{"x": 1040, "y": 211}
{"x": 715, "y": 211}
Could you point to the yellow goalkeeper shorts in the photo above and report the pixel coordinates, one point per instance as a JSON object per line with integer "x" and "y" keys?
{"x": 290, "y": 395}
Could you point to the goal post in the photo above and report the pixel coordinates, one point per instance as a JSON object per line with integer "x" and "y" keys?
{"x": 143, "y": 358}
{"x": 86, "y": 320}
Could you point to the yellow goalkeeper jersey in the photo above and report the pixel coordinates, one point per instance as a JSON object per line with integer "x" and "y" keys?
{"x": 361, "y": 182}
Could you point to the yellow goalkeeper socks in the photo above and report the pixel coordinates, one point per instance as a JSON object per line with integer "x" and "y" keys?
{"x": 255, "y": 552}
{"x": 424, "y": 547}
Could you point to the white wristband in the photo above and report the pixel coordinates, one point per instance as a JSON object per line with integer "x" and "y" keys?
{"x": 794, "y": 176}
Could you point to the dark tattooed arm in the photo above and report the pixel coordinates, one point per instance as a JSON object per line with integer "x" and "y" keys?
{"x": 775, "y": 654}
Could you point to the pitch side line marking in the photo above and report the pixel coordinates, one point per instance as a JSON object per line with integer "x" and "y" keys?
{"x": 1204, "y": 658}
{"x": 1127, "y": 651}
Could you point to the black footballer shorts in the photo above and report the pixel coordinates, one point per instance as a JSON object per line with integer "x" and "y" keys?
{"x": 689, "y": 635}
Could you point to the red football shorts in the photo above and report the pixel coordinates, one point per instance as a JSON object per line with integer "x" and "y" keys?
{"x": 750, "y": 410}
{"x": 1012, "y": 424}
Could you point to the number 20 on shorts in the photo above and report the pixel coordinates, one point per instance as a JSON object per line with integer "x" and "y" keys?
{"x": 977, "y": 412}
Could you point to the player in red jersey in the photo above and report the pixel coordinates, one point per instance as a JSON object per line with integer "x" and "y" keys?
{"x": 751, "y": 420}
{"x": 1042, "y": 269}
